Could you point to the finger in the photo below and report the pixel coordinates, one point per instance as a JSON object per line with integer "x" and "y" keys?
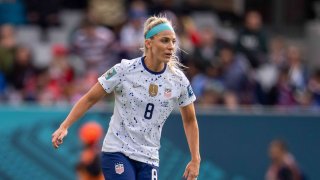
{"x": 55, "y": 145}
{"x": 185, "y": 174}
{"x": 60, "y": 138}
{"x": 54, "y": 140}
{"x": 192, "y": 176}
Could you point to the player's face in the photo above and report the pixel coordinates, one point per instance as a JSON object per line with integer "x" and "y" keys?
{"x": 275, "y": 152}
{"x": 163, "y": 46}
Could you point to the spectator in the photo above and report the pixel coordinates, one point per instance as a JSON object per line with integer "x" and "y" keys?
{"x": 297, "y": 70}
{"x": 23, "y": 78}
{"x": 131, "y": 35}
{"x": 285, "y": 91}
{"x": 283, "y": 165}
{"x": 89, "y": 167}
{"x": 55, "y": 83}
{"x": 266, "y": 81}
{"x": 278, "y": 52}
{"x": 267, "y": 74}
{"x": 61, "y": 74}
{"x": 314, "y": 88}
{"x": 234, "y": 75}
{"x": 189, "y": 35}
{"x": 8, "y": 47}
{"x": 209, "y": 86}
{"x": 208, "y": 47}
{"x": 252, "y": 40}
{"x": 92, "y": 43}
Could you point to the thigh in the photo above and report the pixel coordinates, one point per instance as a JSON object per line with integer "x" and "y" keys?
{"x": 147, "y": 172}
{"x": 116, "y": 166}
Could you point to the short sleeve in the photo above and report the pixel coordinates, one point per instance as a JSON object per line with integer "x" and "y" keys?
{"x": 110, "y": 79}
{"x": 187, "y": 96}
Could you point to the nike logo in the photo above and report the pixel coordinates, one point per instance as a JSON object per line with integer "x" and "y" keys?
{"x": 136, "y": 86}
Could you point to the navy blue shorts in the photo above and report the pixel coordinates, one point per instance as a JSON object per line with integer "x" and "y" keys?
{"x": 117, "y": 166}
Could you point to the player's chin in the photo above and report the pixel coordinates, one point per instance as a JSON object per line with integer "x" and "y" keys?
{"x": 166, "y": 59}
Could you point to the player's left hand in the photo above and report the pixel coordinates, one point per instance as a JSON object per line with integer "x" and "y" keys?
{"x": 192, "y": 170}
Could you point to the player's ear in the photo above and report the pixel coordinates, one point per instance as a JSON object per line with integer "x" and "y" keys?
{"x": 147, "y": 43}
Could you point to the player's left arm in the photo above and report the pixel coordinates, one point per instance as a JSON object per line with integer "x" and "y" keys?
{"x": 191, "y": 129}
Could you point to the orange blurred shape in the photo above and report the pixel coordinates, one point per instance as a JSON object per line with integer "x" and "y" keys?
{"x": 90, "y": 132}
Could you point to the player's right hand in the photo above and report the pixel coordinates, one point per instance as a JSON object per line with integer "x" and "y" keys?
{"x": 58, "y": 135}
{"x": 192, "y": 170}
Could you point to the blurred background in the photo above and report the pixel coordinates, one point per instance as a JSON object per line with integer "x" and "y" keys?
{"x": 253, "y": 65}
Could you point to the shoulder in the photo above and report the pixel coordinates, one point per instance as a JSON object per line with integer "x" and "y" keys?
{"x": 179, "y": 77}
{"x": 126, "y": 64}
{"x": 178, "y": 73}
{"x": 120, "y": 70}
{"x": 130, "y": 62}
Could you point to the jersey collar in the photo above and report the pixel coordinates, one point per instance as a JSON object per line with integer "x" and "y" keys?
{"x": 150, "y": 71}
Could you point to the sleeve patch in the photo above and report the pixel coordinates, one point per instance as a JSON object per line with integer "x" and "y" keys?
{"x": 110, "y": 73}
{"x": 190, "y": 91}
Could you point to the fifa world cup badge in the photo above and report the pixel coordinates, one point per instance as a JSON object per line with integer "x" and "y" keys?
{"x": 110, "y": 73}
{"x": 153, "y": 90}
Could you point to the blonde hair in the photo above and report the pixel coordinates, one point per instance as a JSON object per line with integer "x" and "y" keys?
{"x": 151, "y": 22}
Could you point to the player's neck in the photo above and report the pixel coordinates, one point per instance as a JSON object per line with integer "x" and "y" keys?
{"x": 153, "y": 65}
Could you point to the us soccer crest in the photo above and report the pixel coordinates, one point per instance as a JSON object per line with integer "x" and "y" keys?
{"x": 119, "y": 168}
{"x": 167, "y": 93}
{"x": 153, "y": 90}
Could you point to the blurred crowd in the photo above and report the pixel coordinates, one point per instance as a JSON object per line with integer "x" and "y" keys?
{"x": 231, "y": 64}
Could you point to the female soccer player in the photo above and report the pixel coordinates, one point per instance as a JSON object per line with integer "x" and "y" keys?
{"x": 146, "y": 90}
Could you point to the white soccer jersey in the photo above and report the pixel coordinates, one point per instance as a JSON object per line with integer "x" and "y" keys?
{"x": 143, "y": 101}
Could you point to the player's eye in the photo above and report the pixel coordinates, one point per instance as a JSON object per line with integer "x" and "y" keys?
{"x": 165, "y": 40}
{"x": 174, "y": 41}
{"x": 168, "y": 40}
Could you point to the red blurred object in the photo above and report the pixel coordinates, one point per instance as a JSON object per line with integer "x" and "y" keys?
{"x": 90, "y": 133}
{"x": 195, "y": 38}
{"x": 59, "y": 50}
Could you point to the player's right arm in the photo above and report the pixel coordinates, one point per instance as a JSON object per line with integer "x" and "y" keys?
{"x": 79, "y": 109}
